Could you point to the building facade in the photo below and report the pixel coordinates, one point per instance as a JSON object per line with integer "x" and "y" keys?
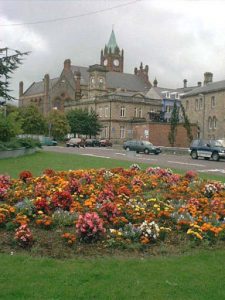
{"x": 205, "y": 106}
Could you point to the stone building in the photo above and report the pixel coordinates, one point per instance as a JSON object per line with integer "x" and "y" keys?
{"x": 118, "y": 98}
{"x": 205, "y": 106}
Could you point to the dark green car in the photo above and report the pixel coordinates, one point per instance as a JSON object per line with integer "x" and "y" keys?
{"x": 141, "y": 146}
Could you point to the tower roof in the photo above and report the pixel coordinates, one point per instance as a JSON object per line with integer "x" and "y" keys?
{"x": 112, "y": 42}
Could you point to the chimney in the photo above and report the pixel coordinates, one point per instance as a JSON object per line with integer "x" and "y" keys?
{"x": 67, "y": 64}
{"x": 185, "y": 83}
{"x": 46, "y": 104}
{"x": 77, "y": 85}
{"x": 208, "y": 77}
{"x": 155, "y": 82}
{"x": 199, "y": 83}
{"x": 21, "y": 89}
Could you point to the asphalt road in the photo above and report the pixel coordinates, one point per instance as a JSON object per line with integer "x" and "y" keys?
{"x": 180, "y": 162}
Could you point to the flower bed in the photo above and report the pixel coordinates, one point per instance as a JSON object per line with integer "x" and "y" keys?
{"x": 111, "y": 208}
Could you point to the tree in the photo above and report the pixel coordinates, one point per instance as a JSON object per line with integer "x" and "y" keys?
{"x": 186, "y": 123}
{"x": 58, "y": 124}
{"x": 8, "y": 64}
{"x": 10, "y": 126}
{"x": 81, "y": 122}
{"x": 173, "y": 124}
{"x": 33, "y": 121}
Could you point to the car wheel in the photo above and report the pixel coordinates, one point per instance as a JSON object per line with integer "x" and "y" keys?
{"x": 67, "y": 145}
{"x": 127, "y": 148}
{"x": 146, "y": 151}
{"x": 206, "y": 158}
{"x": 215, "y": 156}
{"x": 73, "y": 146}
{"x": 194, "y": 154}
{"x": 137, "y": 151}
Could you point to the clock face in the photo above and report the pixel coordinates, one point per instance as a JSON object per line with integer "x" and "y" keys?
{"x": 105, "y": 62}
{"x": 116, "y": 62}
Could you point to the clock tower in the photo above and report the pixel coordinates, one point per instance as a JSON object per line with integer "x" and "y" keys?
{"x": 112, "y": 56}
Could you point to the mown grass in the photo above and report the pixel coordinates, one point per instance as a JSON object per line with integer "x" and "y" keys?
{"x": 38, "y": 162}
{"x": 198, "y": 276}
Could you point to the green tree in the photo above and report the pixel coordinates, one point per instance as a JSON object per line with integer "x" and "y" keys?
{"x": 83, "y": 122}
{"x": 186, "y": 124}
{"x": 58, "y": 124}
{"x": 33, "y": 121}
{"x": 10, "y": 126}
{"x": 173, "y": 124}
{"x": 8, "y": 64}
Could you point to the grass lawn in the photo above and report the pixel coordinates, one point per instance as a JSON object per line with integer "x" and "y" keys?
{"x": 197, "y": 276}
{"x": 39, "y": 161}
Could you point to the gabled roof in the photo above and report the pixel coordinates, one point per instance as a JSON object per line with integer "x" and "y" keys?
{"x": 114, "y": 80}
{"x": 38, "y": 87}
{"x": 208, "y": 88}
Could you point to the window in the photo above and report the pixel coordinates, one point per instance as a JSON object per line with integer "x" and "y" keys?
{"x": 122, "y": 132}
{"x": 140, "y": 113}
{"x": 196, "y": 104}
{"x": 210, "y": 123}
{"x": 106, "y": 112}
{"x": 136, "y": 112}
{"x": 200, "y": 103}
{"x": 100, "y": 112}
{"x": 122, "y": 111}
{"x": 214, "y": 122}
{"x": 213, "y": 102}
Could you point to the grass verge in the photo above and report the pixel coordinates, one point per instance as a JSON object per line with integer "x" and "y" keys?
{"x": 198, "y": 276}
{"x": 39, "y": 161}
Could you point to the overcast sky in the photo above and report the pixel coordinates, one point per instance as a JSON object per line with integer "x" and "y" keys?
{"x": 176, "y": 39}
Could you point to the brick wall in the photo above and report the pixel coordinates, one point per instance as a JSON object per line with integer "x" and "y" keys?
{"x": 158, "y": 134}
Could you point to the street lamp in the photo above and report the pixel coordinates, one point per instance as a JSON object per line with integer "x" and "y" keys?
{"x": 203, "y": 116}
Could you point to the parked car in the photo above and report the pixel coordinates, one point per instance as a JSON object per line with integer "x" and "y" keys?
{"x": 214, "y": 149}
{"x": 141, "y": 146}
{"x": 47, "y": 141}
{"x": 92, "y": 143}
{"x": 75, "y": 142}
{"x": 105, "y": 143}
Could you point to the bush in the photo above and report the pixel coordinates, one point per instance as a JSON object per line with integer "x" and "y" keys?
{"x": 16, "y": 143}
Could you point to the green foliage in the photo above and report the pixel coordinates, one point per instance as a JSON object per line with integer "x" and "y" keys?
{"x": 9, "y": 126}
{"x": 16, "y": 143}
{"x": 173, "y": 124}
{"x": 83, "y": 122}
{"x": 8, "y": 64}
{"x": 32, "y": 120}
{"x": 186, "y": 124}
{"x": 58, "y": 124}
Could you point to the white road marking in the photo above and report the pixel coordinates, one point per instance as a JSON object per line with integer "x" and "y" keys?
{"x": 183, "y": 163}
{"x": 213, "y": 170}
{"x": 96, "y": 155}
{"x": 120, "y": 154}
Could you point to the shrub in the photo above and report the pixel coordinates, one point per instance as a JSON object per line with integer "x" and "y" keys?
{"x": 23, "y": 236}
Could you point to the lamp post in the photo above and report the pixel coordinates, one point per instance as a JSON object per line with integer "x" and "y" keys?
{"x": 203, "y": 115}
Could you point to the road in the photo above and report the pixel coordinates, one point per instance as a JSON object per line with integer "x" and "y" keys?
{"x": 180, "y": 162}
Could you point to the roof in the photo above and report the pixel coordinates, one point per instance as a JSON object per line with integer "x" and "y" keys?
{"x": 208, "y": 88}
{"x": 38, "y": 87}
{"x": 114, "y": 80}
{"x": 112, "y": 42}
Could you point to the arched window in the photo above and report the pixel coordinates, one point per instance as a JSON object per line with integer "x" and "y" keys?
{"x": 214, "y": 123}
{"x": 210, "y": 123}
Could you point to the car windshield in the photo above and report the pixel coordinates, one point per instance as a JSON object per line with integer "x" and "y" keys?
{"x": 147, "y": 143}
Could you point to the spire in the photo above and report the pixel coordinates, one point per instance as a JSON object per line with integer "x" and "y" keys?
{"x": 112, "y": 44}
